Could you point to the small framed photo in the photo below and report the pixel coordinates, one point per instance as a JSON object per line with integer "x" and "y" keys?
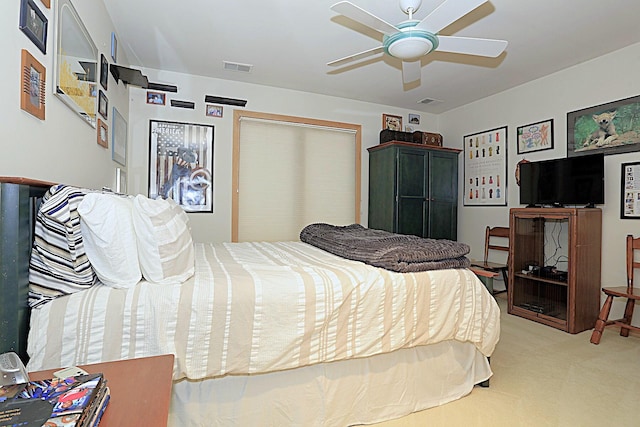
{"x": 103, "y": 134}
{"x": 46, "y": 3}
{"x": 32, "y": 85}
{"x": 114, "y": 47}
{"x": 103, "y": 105}
{"x": 535, "y": 137}
{"x": 414, "y": 119}
{"x": 630, "y": 189}
{"x": 156, "y": 98}
{"x": 104, "y": 71}
{"x": 34, "y": 24}
{"x": 391, "y": 122}
{"x": 214, "y": 110}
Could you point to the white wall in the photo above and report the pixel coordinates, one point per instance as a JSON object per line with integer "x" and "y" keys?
{"x": 63, "y": 147}
{"x": 217, "y": 226}
{"x": 605, "y": 79}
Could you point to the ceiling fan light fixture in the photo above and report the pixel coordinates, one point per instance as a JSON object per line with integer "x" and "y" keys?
{"x": 409, "y": 44}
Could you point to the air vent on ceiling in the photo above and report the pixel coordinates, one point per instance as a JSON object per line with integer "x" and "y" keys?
{"x": 429, "y": 101}
{"x": 234, "y": 66}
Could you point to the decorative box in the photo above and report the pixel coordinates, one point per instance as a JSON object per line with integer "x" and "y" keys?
{"x": 387, "y": 135}
{"x": 427, "y": 138}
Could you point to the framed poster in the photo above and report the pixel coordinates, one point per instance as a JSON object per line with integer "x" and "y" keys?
{"x": 181, "y": 164}
{"x": 610, "y": 128}
{"x": 485, "y": 168}
{"x": 630, "y": 189}
{"x": 535, "y": 136}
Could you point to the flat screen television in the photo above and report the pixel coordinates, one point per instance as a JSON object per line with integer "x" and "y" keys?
{"x": 560, "y": 182}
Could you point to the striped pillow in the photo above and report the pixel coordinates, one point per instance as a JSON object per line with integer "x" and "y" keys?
{"x": 59, "y": 265}
{"x": 165, "y": 246}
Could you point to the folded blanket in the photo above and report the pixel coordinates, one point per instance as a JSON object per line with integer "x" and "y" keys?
{"x": 396, "y": 252}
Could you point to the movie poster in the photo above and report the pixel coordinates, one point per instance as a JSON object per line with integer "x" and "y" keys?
{"x": 181, "y": 164}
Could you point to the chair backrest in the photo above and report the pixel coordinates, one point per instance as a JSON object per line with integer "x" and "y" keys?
{"x": 499, "y": 244}
{"x": 632, "y": 263}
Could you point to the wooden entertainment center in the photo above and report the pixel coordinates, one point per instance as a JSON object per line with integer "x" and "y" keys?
{"x": 564, "y": 298}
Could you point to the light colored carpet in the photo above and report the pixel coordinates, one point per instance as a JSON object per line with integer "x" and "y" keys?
{"x": 546, "y": 377}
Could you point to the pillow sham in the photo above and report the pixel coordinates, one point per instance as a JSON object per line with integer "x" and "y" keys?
{"x": 165, "y": 246}
{"x": 109, "y": 238}
{"x": 59, "y": 264}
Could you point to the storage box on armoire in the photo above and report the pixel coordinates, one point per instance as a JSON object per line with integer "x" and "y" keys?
{"x": 427, "y": 138}
{"x": 387, "y": 135}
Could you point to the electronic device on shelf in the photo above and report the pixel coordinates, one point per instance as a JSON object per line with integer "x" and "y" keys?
{"x": 12, "y": 371}
{"x": 560, "y": 182}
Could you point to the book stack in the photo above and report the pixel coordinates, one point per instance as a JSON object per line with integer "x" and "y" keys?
{"x": 77, "y": 401}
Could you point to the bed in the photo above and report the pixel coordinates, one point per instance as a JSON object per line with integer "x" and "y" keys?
{"x": 283, "y": 333}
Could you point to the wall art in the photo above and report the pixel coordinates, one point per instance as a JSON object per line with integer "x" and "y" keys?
{"x": 630, "y": 191}
{"x": 33, "y": 81}
{"x": 609, "y": 128}
{"x": 485, "y": 168}
{"x": 181, "y": 164}
{"x": 103, "y": 134}
{"x": 214, "y": 110}
{"x": 119, "y": 138}
{"x": 535, "y": 137}
{"x": 391, "y": 122}
{"x": 34, "y": 24}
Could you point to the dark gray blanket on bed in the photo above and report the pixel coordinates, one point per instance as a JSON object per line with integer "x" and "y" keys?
{"x": 396, "y": 252}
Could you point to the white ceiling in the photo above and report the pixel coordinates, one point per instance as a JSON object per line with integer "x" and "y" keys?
{"x": 289, "y": 43}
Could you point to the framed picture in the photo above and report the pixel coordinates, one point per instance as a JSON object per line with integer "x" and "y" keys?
{"x": 485, "y": 168}
{"x": 610, "y": 128}
{"x": 121, "y": 181}
{"x": 33, "y": 83}
{"x": 104, "y": 71}
{"x": 119, "y": 138}
{"x": 76, "y": 63}
{"x": 34, "y": 24}
{"x": 535, "y": 136}
{"x": 630, "y": 191}
{"x": 414, "y": 119}
{"x": 391, "y": 122}
{"x": 181, "y": 164}
{"x": 103, "y": 105}
{"x": 103, "y": 134}
{"x": 114, "y": 47}
{"x": 46, "y": 3}
{"x": 156, "y": 98}
{"x": 214, "y": 110}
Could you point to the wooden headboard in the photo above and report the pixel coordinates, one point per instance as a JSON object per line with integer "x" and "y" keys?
{"x": 19, "y": 201}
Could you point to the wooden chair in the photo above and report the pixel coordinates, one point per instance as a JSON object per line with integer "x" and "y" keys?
{"x": 495, "y": 238}
{"x": 629, "y": 292}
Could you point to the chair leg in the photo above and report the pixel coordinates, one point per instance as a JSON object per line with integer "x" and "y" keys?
{"x": 506, "y": 280}
{"x": 602, "y": 320}
{"x": 628, "y": 314}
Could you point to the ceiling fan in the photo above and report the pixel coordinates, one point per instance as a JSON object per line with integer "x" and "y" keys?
{"x": 412, "y": 39}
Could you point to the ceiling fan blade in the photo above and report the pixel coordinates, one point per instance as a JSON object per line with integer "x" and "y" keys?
{"x": 356, "y": 56}
{"x": 471, "y": 46}
{"x": 447, "y": 13}
{"x": 410, "y": 71}
{"x": 352, "y": 11}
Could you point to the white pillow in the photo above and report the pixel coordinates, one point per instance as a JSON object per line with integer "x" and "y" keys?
{"x": 165, "y": 246}
{"x": 109, "y": 238}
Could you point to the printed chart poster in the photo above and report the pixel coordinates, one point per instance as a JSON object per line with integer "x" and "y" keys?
{"x": 485, "y": 168}
{"x": 181, "y": 164}
{"x": 630, "y": 208}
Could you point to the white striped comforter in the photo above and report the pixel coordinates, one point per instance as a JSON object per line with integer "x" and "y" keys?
{"x": 261, "y": 307}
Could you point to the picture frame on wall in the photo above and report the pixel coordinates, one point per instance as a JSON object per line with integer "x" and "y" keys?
{"x": 119, "y": 138}
{"x": 104, "y": 71}
{"x": 610, "y": 128}
{"x": 46, "y": 3}
{"x": 33, "y": 83}
{"x": 103, "y": 134}
{"x": 156, "y": 98}
{"x": 181, "y": 164}
{"x": 630, "y": 191}
{"x": 103, "y": 105}
{"x": 214, "y": 110}
{"x": 391, "y": 122}
{"x": 34, "y": 24}
{"x": 114, "y": 47}
{"x": 535, "y": 137}
{"x": 485, "y": 168}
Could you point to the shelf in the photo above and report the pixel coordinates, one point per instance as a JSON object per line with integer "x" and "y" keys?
{"x": 540, "y": 279}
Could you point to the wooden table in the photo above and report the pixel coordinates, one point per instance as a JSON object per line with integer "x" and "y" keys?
{"x": 140, "y": 390}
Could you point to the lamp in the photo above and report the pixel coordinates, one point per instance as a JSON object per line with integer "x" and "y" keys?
{"x": 409, "y": 43}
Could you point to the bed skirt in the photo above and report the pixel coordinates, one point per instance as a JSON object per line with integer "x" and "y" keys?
{"x": 349, "y": 392}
